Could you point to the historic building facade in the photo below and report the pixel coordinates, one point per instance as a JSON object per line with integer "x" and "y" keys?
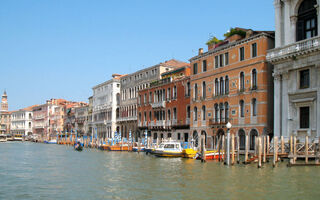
{"x": 232, "y": 82}
{"x": 130, "y": 85}
{"x": 106, "y": 100}
{"x": 5, "y": 115}
{"x": 81, "y": 119}
{"x": 164, "y": 107}
{"x": 21, "y": 121}
{"x": 296, "y": 60}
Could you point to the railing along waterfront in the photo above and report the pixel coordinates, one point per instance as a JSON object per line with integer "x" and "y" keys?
{"x": 297, "y": 47}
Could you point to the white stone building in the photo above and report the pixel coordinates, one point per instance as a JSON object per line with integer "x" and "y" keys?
{"x": 106, "y": 99}
{"x": 21, "y": 121}
{"x": 296, "y": 60}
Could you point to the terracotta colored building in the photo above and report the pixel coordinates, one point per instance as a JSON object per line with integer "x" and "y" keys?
{"x": 233, "y": 82}
{"x": 163, "y": 108}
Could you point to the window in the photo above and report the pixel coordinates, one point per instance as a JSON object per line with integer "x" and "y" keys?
{"x": 241, "y": 51}
{"x": 140, "y": 116}
{"x": 307, "y": 20}
{"x": 226, "y": 58}
{"x": 195, "y": 114}
{"x": 241, "y": 108}
{"x": 188, "y": 89}
{"x": 174, "y": 113}
{"x": 241, "y": 81}
{"x": 145, "y": 98}
{"x": 227, "y": 85}
{"x": 216, "y": 112}
{"x": 226, "y": 107}
{"x": 175, "y": 92}
{"x": 254, "y": 107}
{"x": 150, "y": 116}
{"x": 221, "y": 86}
{"x": 150, "y": 97}
{"x": 169, "y": 94}
{"x": 221, "y": 60}
{"x": 304, "y": 79}
{"x": 204, "y": 65}
{"x": 169, "y": 115}
{"x": 195, "y": 91}
{"x": 188, "y": 112}
{"x": 145, "y": 116}
{"x": 203, "y": 113}
{"x": 216, "y": 61}
{"x": 254, "y": 79}
{"x": 254, "y": 50}
{"x": 179, "y": 136}
{"x": 216, "y": 87}
{"x": 204, "y": 88}
{"x": 304, "y": 117}
{"x": 195, "y": 68}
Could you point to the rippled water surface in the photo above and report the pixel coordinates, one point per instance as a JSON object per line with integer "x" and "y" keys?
{"x": 41, "y": 171}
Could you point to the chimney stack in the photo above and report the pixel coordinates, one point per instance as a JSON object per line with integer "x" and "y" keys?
{"x": 200, "y": 51}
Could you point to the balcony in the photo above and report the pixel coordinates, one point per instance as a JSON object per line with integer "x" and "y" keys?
{"x": 218, "y": 121}
{"x": 131, "y": 118}
{"x": 160, "y": 104}
{"x": 295, "y": 49}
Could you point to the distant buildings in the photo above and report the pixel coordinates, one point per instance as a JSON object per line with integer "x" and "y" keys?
{"x": 4, "y": 115}
{"x": 296, "y": 61}
{"x": 21, "y": 121}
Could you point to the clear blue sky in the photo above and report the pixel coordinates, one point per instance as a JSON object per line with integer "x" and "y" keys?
{"x": 62, "y": 48}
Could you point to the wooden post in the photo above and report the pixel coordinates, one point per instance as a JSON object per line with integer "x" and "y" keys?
{"x": 282, "y": 145}
{"x": 316, "y": 152}
{"x": 223, "y": 147}
{"x": 264, "y": 149}
{"x": 121, "y": 144}
{"x": 138, "y": 145}
{"x": 219, "y": 148}
{"x": 306, "y": 147}
{"x": 275, "y": 150}
{"x": 246, "y": 149}
{"x": 268, "y": 144}
{"x": 294, "y": 149}
{"x": 157, "y": 145}
{"x": 256, "y": 146}
{"x": 259, "y": 151}
{"x": 203, "y": 148}
{"x": 291, "y": 142}
{"x": 232, "y": 149}
{"x": 238, "y": 149}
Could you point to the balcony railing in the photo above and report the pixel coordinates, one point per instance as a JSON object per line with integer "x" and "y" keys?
{"x": 218, "y": 121}
{"x": 161, "y": 104}
{"x": 292, "y": 49}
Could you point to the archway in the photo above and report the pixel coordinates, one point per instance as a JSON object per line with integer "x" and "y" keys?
{"x": 253, "y": 135}
{"x": 205, "y": 135}
{"x": 242, "y": 139}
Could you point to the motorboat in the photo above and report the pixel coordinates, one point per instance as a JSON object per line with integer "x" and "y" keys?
{"x": 17, "y": 137}
{"x": 189, "y": 153}
{"x": 210, "y": 155}
{"x": 3, "y": 138}
{"x": 9, "y": 137}
{"x": 78, "y": 146}
{"x": 168, "y": 149}
{"x": 52, "y": 141}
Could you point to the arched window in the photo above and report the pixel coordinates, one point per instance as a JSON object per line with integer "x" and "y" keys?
{"x": 203, "y": 112}
{"x": 155, "y": 136}
{"x": 227, "y": 85}
{"x": 241, "y": 103}
{"x": 169, "y": 115}
{"x": 195, "y": 114}
{"x": 204, "y": 88}
{"x": 254, "y": 79}
{"x": 242, "y": 138}
{"x": 169, "y": 135}
{"x": 221, "y": 86}
{"x": 216, "y": 112}
{"x": 307, "y": 24}
{"x": 195, "y": 91}
{"x": 226, "y": 110}
{"x": 253, "y": 135}
{"x": 216, "y": 86}
{"x": 221, "y": 112}
{"x": 241, "y": 82}
{"x": 254, "y": 107}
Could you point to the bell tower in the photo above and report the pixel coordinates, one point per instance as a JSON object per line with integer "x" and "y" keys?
{"x": 4, "y": 102}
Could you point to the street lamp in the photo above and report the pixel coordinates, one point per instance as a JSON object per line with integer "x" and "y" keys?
{"x": 229, "y": 125}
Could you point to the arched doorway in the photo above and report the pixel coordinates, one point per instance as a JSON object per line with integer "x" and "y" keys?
{"x": 195, "y": 138}
{"x": 242, "y": 139}
{"x": 253, "y": 135}
{"x": 218, "y": 136}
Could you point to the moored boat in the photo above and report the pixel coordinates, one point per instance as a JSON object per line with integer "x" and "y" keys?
{"x": 78, "y": 146}
{"x": 210, "y": 155}
{"x": 17, "y": 137}
{"x": 189, "y": 153}
{"x": 53, "y": 141}
{"x": 168, "y": 149}
{"x": 3, "y": 138}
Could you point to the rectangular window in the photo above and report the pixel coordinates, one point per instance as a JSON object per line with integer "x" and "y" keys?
{"x": 204, "y": 65}
{"x": 175, "y": 92}
{"x": 241, "y": 52}
{"x": 195, "y": 68}
{"x": 174, "y": 113}
{"x": 150, "y": 97}
{"x": 304, "y": 117}
{"x": 221, "y": 60}
{"x": 188, "y": 112}
{"x": 254, "y": 50}
{"x": 304, "y": 79}
{"x": 226, "y": 58}
{"x": 169, "y": 94}
{"x": 216, "y": 61}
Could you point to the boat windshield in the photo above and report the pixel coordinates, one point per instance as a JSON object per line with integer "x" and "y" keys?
{"x": 169, "y": 146}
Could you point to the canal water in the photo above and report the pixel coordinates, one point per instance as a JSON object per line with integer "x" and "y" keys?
{"x": 42, "y": 171}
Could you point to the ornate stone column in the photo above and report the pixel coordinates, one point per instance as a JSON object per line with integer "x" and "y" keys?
{"x": 277, "y": 105}
{"x": 277, "y": 6}
{"x": 293, "y": 30}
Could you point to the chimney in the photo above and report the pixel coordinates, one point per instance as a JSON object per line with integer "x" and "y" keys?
{"x": 200, "y": 51}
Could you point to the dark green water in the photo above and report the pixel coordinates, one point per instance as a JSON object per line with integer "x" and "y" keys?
{"x": 41, "y": 171}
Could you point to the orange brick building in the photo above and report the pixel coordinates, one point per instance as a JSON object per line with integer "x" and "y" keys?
{"x": 164, "y": 107}
{"x": 233, "y": 82}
